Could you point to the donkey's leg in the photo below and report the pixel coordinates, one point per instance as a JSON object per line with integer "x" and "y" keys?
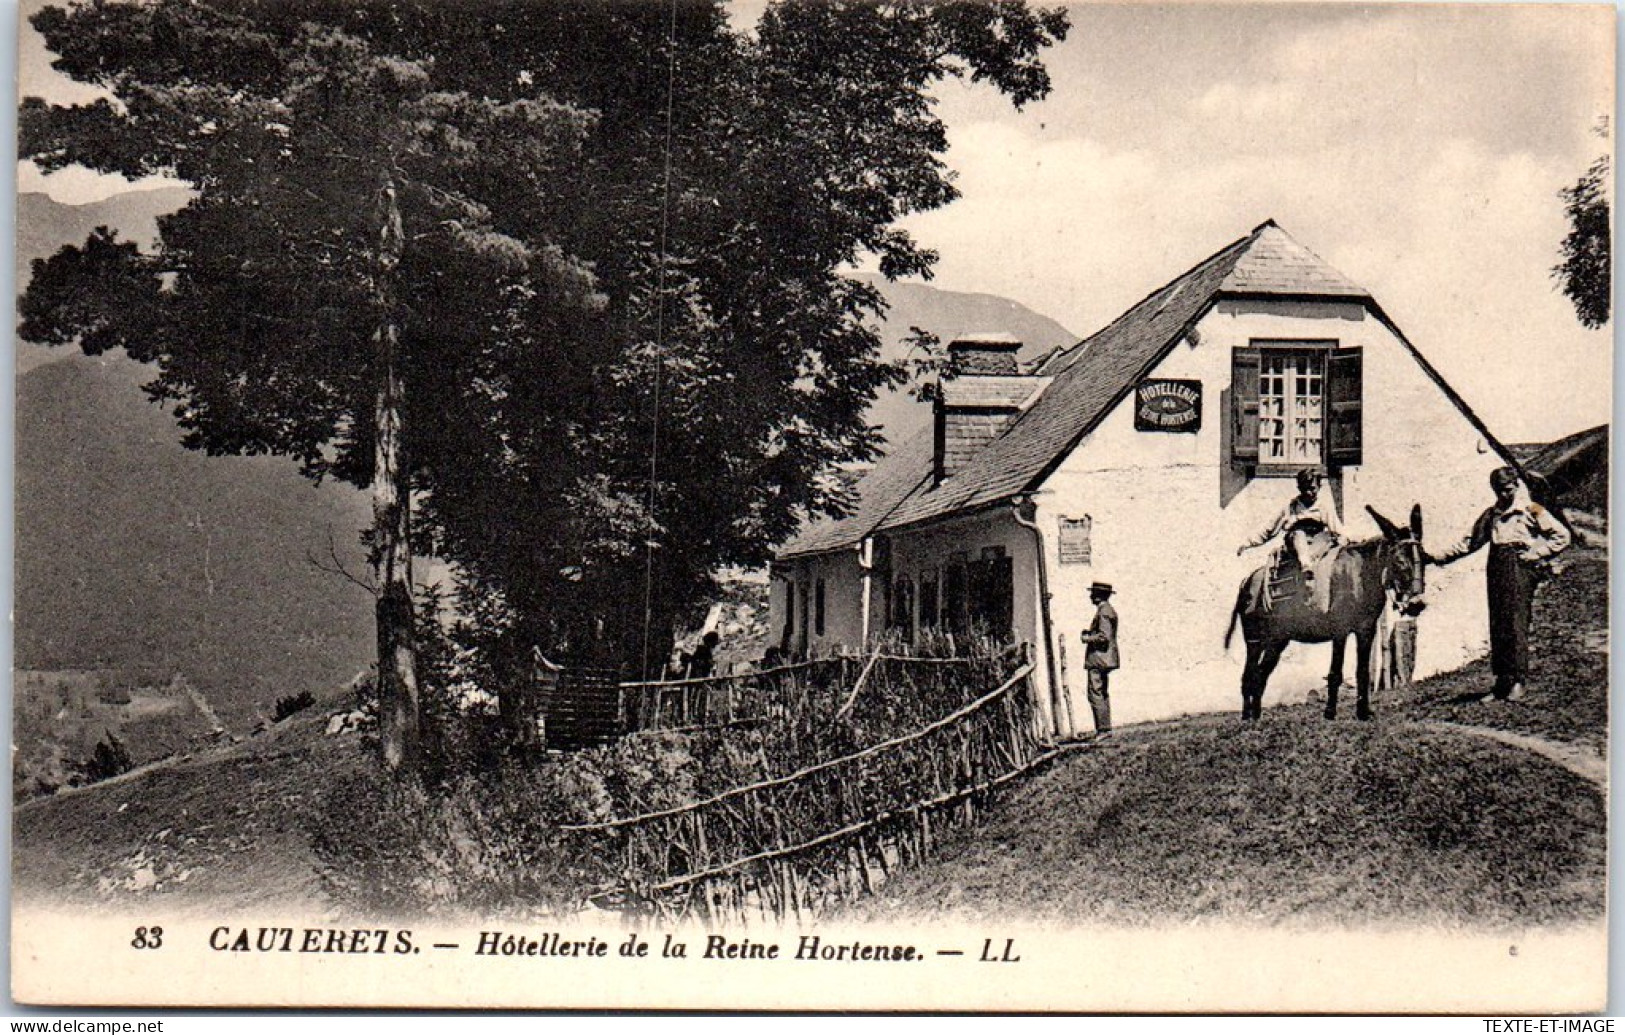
{"x": 1249, "y": 676}
{"x": 1268, "y": 657}
{"x": 1362, "y": 671}
{"x": 1334, "y": 678}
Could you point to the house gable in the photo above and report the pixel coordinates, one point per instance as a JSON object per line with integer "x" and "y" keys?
{"x": 1090, "y": 380}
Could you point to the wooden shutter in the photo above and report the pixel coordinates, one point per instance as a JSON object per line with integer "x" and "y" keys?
{"x": 1244, "y": 364}
{"x": 1344, "y": 433}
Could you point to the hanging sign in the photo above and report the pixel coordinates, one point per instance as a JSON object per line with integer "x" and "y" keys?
{"x": 1168, "y": 405}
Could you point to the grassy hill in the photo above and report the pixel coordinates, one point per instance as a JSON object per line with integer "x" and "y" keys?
{"x": 138, "y": 557}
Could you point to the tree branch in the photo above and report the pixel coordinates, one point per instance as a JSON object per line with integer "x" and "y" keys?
{"x": 336, "y": 567}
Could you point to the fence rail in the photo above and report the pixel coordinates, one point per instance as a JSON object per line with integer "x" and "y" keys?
{"x": 792, "y": 845}
{"x": 706, "y": 702}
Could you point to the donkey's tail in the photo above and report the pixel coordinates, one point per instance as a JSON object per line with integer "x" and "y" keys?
{"x": 1235, "y": 613}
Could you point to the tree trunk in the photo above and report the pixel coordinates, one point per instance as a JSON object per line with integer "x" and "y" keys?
{"x": 392, "y": 514}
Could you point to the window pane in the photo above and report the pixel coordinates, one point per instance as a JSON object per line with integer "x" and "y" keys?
{"x": 1291, "y": 406}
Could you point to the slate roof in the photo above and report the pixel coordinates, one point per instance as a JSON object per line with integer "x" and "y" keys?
{"x": 879, "y": 492}
{"x": 1087, "y": 382}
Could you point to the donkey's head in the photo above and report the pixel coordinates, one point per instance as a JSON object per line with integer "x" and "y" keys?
{"x": 1404, "y": 572}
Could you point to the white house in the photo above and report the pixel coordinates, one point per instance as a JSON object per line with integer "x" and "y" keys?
{"x": 1144, "y": 456}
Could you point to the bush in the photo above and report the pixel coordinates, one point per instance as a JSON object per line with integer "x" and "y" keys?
{"x": 482, "y": 833}
{"x": 109, "y": 759}
{"x": 293, "y": 704}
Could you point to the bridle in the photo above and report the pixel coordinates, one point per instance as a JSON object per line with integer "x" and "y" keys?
{"x": 1407, "y": 580}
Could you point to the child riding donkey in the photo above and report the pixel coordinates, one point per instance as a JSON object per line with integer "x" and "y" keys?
{"x": 1303, "y": 522}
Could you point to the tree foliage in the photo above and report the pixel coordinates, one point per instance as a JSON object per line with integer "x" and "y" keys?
{"x": 609, "y": 239}
{"x": 1586, "y": 270}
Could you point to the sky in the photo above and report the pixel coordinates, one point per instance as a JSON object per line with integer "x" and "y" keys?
{"x": 1417, "y": 148}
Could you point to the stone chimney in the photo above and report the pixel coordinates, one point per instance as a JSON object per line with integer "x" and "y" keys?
{"x": 985, "y": 395}
{"x": 984, "y": 353}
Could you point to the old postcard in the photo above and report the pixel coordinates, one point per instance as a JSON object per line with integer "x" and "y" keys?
{"x": 813, "y": 505}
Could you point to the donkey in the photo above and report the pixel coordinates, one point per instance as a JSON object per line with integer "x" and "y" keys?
{"x": 1360, "y": 576}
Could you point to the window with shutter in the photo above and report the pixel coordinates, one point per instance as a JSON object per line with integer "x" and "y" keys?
{"x": 1291, "y": 408}
{"x": 1344, "y": 431}
{"x": 928, "y": 601}
{"x": 903, "y": 608}
{"x": 1244, "y": 367}
{"x": 1295, "y": 404}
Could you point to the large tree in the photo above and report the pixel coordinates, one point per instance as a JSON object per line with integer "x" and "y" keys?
{"x": 759, "y": 168}
{"x": 336, "y": 280}
{"x": 565, "y": 280}
{"x": 1586, "y": 272}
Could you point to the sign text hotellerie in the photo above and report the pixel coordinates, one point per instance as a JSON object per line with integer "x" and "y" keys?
{"x": 1168, "y": 405}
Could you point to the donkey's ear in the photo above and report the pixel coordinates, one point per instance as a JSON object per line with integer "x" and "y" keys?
{"x": 1416, "y": 521}
{"x": 1389, "y": 529}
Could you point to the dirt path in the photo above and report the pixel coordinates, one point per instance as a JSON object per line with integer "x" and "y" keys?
{"x": 1580, "y": 762}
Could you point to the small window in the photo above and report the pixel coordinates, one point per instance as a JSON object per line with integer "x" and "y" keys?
{"x": 955, "y": 615}
{"x": 903, "y": 608}
{"x": 818, "y": 607}
{"x": 1295, "y": 405}
{"x": 789, "y": 616}
{"x": 806, "y": 591}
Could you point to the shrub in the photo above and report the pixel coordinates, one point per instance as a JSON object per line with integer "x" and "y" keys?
{"x": 109, "y": 759}
{"x": 480, "y": 831}
{"x": 293, "y": 704}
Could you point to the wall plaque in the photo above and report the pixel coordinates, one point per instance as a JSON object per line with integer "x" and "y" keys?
{"x": 1168, "y": 405}
{"x": 1075, "y": 547}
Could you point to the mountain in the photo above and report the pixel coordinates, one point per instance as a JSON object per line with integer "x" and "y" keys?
{"x": 44, "y": 226}
{"x": 949, "y": 314}
{"x": 143, "y": 559}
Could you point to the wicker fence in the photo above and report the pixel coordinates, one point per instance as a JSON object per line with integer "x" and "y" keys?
{"x": 683, "y": 705}
{"x": 793, "y": 845}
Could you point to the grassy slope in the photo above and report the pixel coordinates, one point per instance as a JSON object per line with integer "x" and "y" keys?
{"x": 1295, "y": 820}
{"x": 137, "y": 555}
{"x": 1568, "y": 679}
{"x": 1301, "y": 820}
{"x": 224, "y": 826}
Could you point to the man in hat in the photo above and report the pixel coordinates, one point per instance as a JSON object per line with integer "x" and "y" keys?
{"x": 1306, "y": 516}
{"x": 1100, "y": 657}
{"x": 1522, "y": 535}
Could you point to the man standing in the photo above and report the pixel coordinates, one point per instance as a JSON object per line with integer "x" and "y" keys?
{"x": 1100, "y": 657}
{"x": 1521, "y": 535}
{"x": 704, "y": 658}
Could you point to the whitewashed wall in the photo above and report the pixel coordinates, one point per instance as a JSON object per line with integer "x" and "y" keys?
{"x": 843, "y": 602}
{"x": 1169, "y": 511}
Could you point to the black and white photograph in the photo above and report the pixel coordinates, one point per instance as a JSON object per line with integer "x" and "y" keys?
{"x": 812, "y": 505}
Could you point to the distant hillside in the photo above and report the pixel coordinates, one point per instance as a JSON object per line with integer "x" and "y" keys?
{"x": 949, "y": 314}
{"x": 1576, "y": 467}
{"x": 44, "y": 226}
{"x": 139, "y": 557}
